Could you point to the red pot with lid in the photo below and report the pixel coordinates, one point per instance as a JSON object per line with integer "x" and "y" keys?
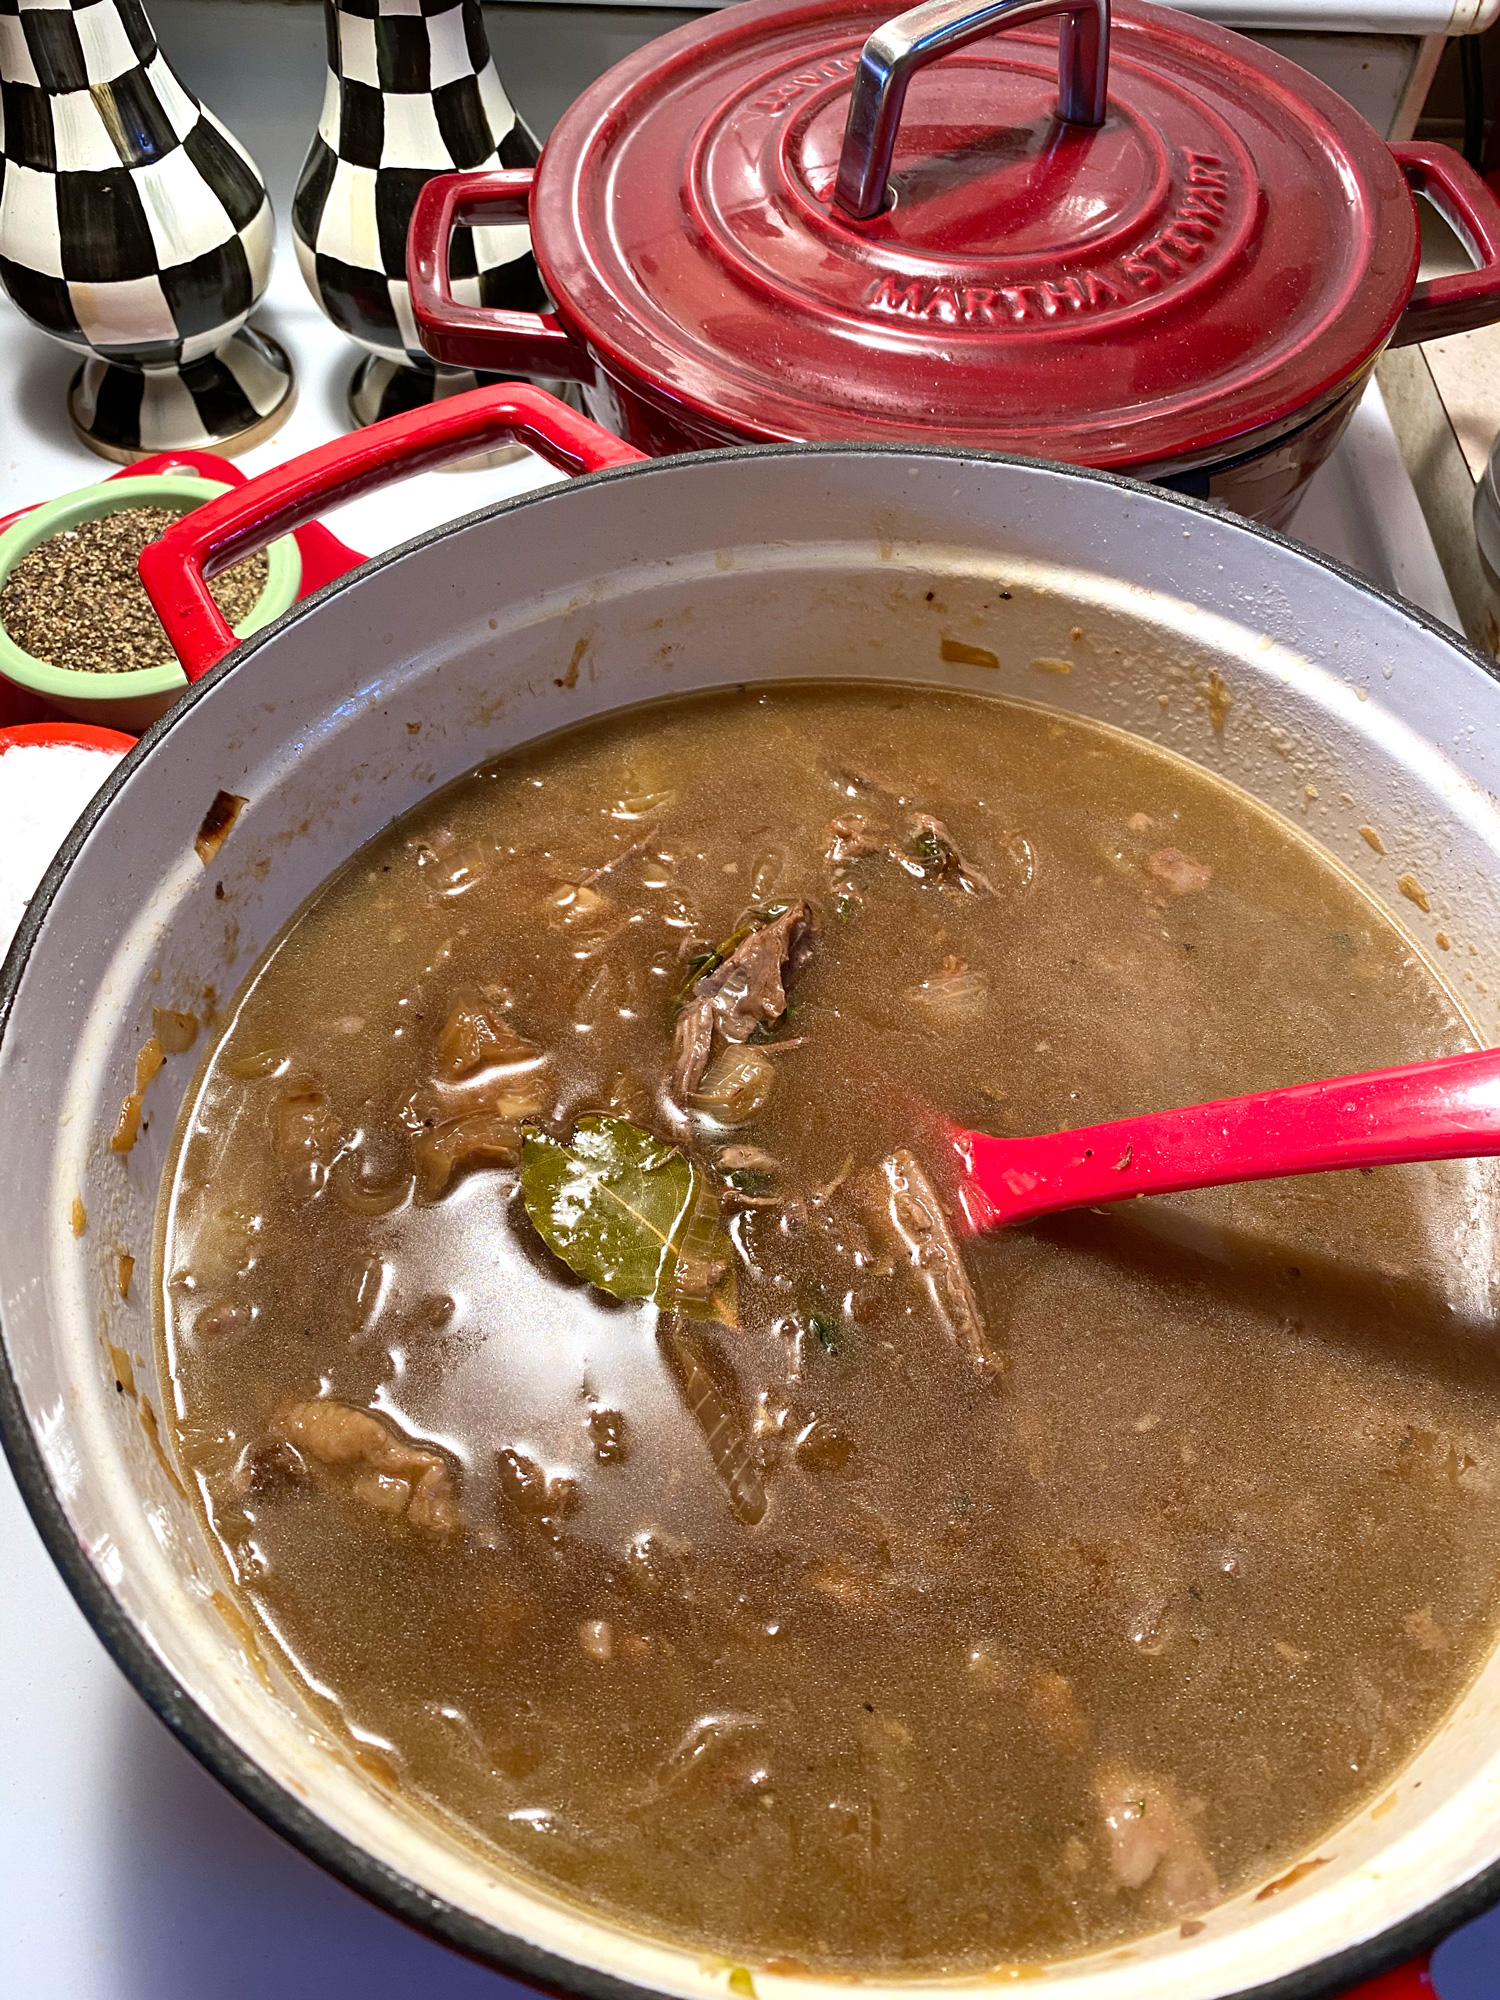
{"x": 1143, "y": 243}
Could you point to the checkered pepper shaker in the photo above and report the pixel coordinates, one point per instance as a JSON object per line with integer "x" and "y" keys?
{"x": 412, "y": 92}
{"x": 135, "y": 229}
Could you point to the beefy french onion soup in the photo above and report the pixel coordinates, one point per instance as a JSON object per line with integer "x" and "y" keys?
{"x": 601, "y": 1416}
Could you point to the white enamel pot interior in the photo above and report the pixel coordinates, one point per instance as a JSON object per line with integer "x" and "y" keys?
{"x": 786, "y": 562}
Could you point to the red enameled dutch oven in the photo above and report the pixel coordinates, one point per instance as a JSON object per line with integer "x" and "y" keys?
{"x": 1147, "y": 245}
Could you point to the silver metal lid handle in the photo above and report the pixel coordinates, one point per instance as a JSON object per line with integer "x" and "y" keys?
{"x": 893, "y": 55}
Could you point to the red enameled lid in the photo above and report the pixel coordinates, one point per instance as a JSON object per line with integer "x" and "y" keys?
{"x": 1222, "y": 254}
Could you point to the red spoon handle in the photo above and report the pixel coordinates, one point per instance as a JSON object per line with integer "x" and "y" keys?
{"x": 1443, "y": 1110}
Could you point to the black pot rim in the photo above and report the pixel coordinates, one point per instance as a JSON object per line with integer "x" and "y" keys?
{"x": 212, "y": 1746}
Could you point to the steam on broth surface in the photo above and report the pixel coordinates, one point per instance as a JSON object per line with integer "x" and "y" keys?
{"x": 844, "y": 1595}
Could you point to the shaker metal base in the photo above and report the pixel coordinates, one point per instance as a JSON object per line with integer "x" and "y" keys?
{"x": 229, "y": 402}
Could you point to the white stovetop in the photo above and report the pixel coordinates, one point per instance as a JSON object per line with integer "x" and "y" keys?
{"x": 126, "y": 1873}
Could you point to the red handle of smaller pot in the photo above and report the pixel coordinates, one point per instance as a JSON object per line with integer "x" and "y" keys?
{"x": 506, "y": 343}
{"x": 1467, "y": 299}
{"x": 175, "y": 569}
{"x": 1411, "y": 1981}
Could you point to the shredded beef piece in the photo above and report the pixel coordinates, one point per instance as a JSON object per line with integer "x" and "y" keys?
{"x": 926, "y": 850}
{"x": 851, "y": 838}
{"x": 609, "y": 1434}
{"x": 390, "y": 1474}
{"x": 932, "y": 855}
{"x": 690, "y": 1047}
{"x": 915, "y": 1210}
{"x": 748, "y": 988}
{"x": 1178, "y": 873}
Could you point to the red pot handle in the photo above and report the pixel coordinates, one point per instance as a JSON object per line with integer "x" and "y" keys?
{"x": 324, "y": 556}
{"x": 513, "y": 343}
{"x": 1468, "y": 299}
{"x": 1411, "y": 1981}
{"x": 236, "y": 524}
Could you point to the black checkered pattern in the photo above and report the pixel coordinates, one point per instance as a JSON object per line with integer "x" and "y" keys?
{"x": 412, "y": 92}
{"x": 203, "y": 405}
{"x": 132, "y": 225}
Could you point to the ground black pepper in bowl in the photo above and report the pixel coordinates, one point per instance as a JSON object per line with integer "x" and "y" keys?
{"x": 76, "y": 600}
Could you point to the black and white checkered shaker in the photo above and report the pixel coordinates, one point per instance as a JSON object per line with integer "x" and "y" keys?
{"x": 135, "y": 229}
{"x": 412, "y": 92}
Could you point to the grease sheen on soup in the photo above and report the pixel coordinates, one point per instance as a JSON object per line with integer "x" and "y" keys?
{"x": 872, "y": 1602}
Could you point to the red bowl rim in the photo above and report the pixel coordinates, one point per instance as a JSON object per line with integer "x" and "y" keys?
{"x": 77, "y": 735}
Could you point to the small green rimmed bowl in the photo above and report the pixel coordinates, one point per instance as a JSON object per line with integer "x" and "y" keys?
{"x": 126, "y": 701}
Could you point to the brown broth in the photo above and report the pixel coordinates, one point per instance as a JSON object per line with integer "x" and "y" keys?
{"x": 1208, "y": 1556}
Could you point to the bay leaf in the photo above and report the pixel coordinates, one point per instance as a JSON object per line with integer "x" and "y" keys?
{"x": 631, "y": 1214}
